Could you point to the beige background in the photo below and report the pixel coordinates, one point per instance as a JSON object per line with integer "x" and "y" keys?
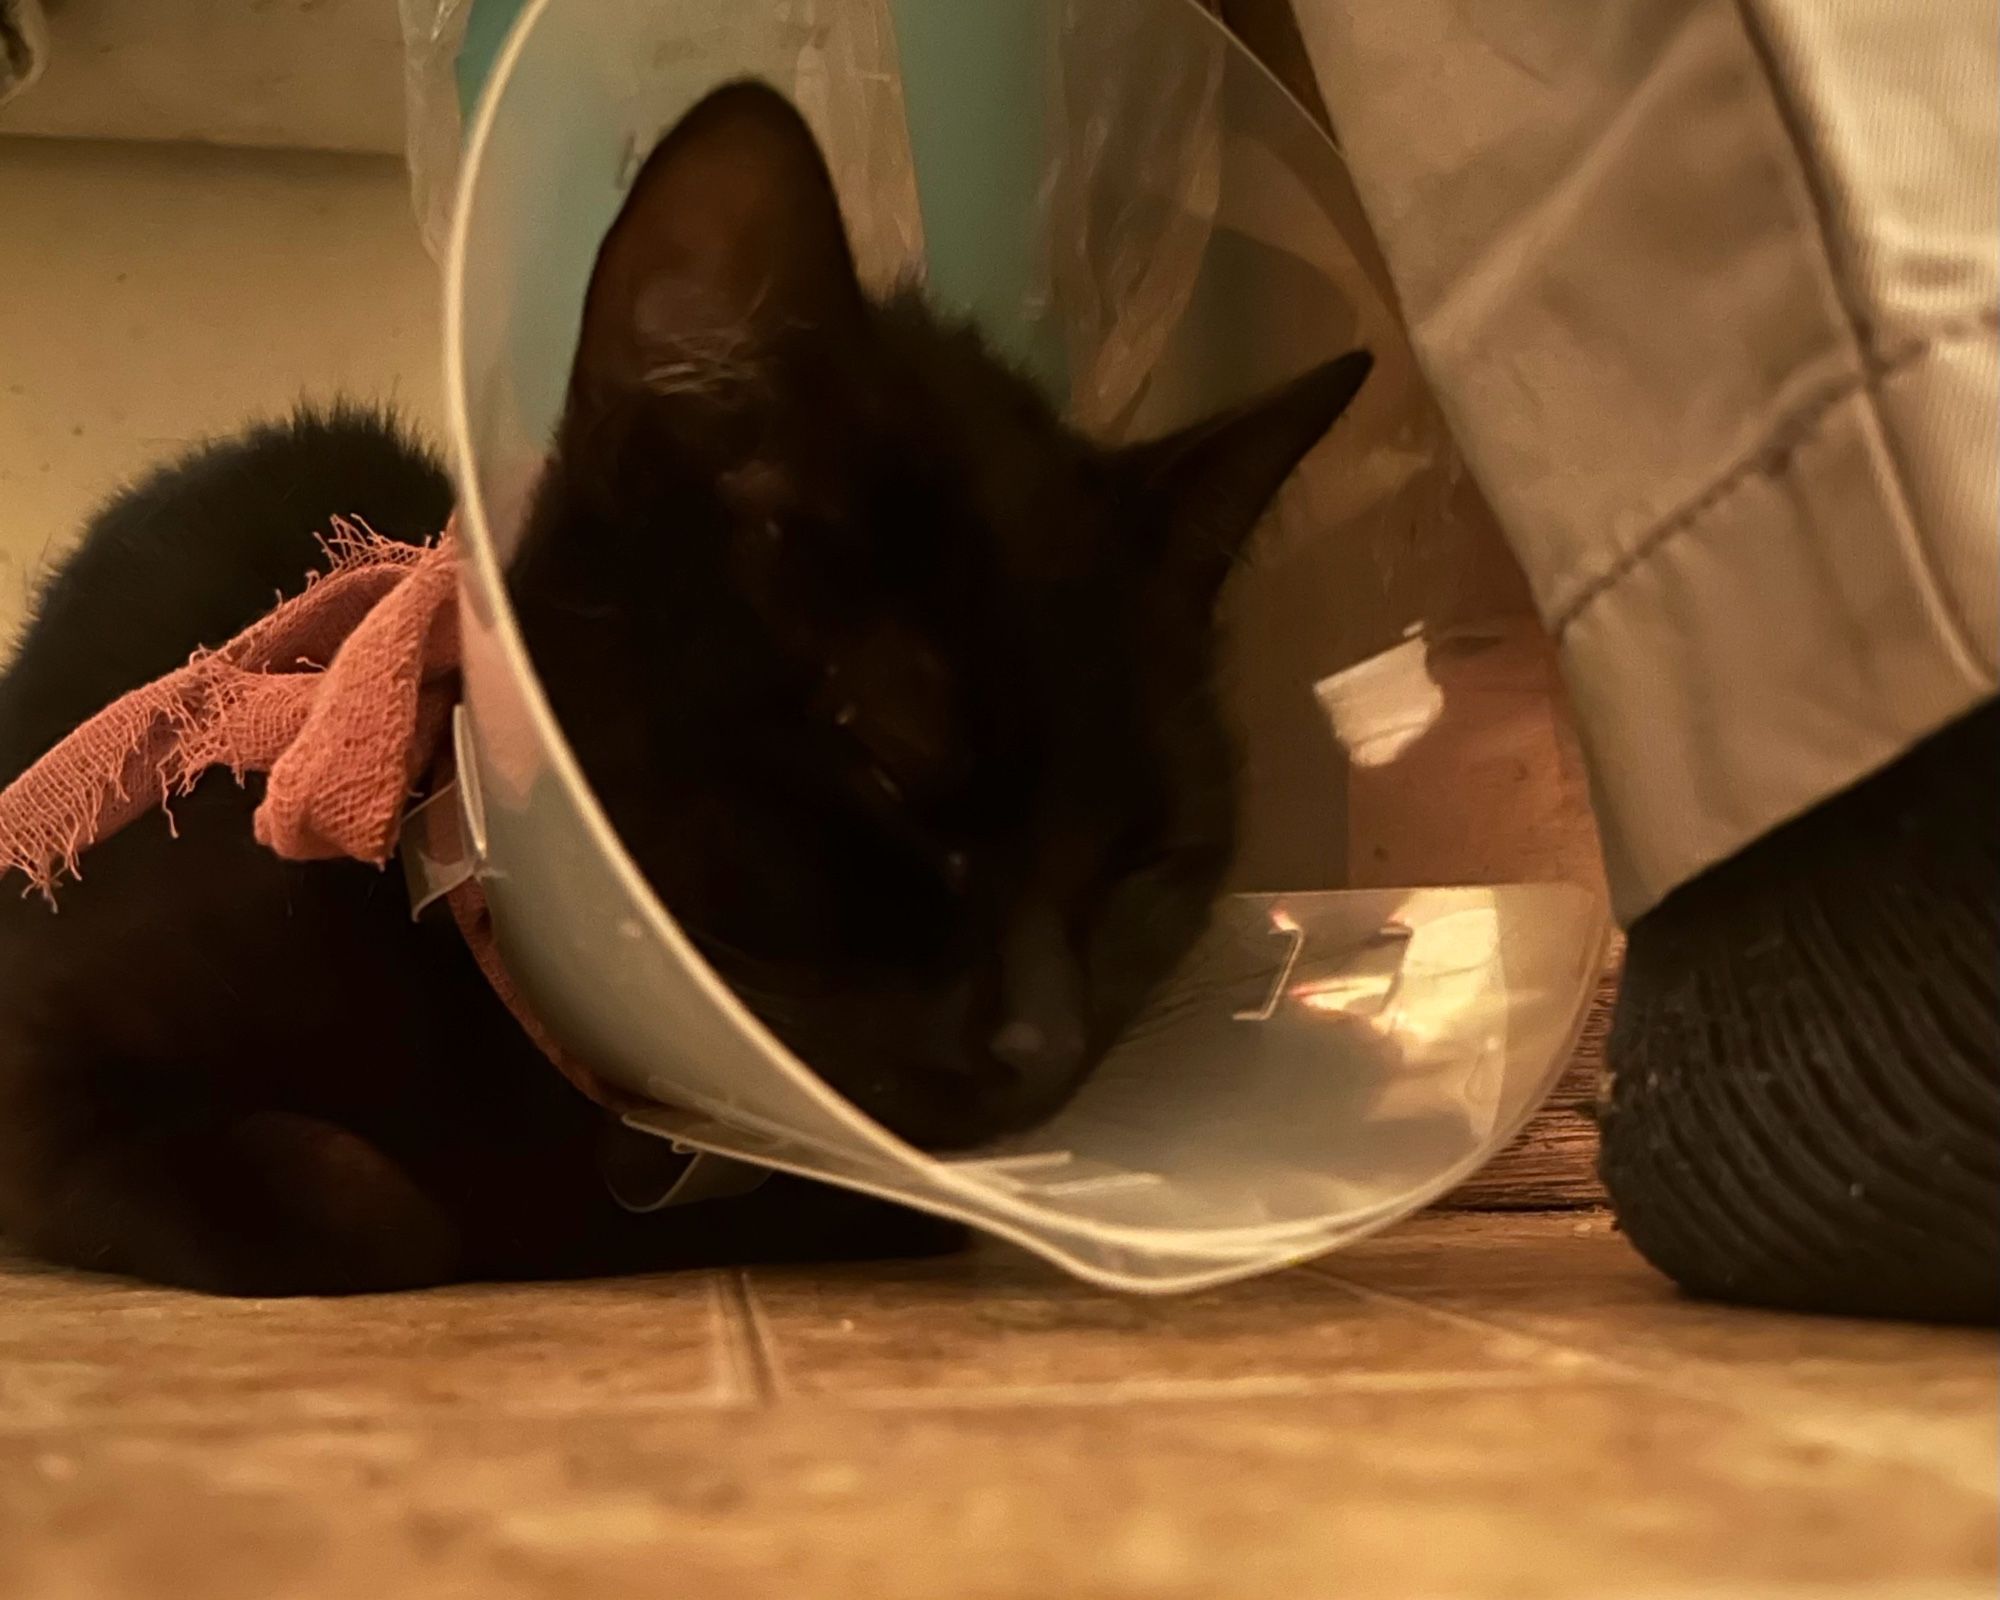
{"x": 153, "y": 295}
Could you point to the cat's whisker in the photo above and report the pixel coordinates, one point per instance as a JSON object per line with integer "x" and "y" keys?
{"x": 704, "y": 364}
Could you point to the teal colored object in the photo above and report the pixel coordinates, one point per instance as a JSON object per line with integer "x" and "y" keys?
{"x": 975, "y": 87}
{"x": 486, "y": 27}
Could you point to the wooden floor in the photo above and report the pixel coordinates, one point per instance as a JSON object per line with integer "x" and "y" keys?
{"x": 1468, "y": 1406}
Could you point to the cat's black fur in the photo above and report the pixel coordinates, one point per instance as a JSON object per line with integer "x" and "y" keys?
{"x": 898, "y": 692}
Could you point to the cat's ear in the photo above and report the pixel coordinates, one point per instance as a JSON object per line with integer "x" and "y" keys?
{"x": 1214, "y": 480}
{"x": 730, "y": 237}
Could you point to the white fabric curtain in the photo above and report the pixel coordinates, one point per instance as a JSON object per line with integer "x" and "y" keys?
{"x": 1708, "y": 291}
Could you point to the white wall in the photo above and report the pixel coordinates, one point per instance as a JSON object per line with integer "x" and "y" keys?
{"x": 306, "y": 74}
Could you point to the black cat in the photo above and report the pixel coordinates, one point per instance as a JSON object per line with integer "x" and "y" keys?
{"x": 898, "y": 692}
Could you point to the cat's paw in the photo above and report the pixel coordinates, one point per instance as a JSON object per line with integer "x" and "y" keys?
{"x": 262, "y": 1205}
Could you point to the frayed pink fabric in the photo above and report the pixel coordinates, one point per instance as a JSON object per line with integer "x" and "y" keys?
{"x": 340, "y": 696}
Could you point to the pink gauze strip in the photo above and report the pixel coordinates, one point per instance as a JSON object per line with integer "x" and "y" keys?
{"x": 340, "y": 695}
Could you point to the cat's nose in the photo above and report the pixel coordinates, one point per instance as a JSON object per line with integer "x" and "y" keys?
{"x": 1037, "y": 1030}
{"x": 1043, "y": 1055}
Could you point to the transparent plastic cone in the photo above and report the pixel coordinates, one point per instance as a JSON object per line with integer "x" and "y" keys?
{"x": 1330, "y": 1058}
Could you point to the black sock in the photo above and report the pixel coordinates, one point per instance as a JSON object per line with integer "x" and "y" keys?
{"x": 1805, "y": 1101}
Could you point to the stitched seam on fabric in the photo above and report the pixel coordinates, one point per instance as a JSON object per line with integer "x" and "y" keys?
{"x": 1860, "y": 325}
{"x": 1861, "y": 329}
{"x": 1781, "y": 441}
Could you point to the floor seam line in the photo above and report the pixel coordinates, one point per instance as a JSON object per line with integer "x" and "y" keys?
{"x": 1817, "y": 1437}
{"x": 755, "y": 1351}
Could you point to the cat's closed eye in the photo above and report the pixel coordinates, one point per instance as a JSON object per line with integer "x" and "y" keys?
{"x": 894, "y": 700}
{"x": 879, "y": 776}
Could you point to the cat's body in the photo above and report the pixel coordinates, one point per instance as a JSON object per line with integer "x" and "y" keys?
{"x": 898, "y": 693}
{"x": 229, "y": 1071}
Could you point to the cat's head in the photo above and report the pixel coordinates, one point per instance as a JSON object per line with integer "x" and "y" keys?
{"x": 898, "y": 692}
